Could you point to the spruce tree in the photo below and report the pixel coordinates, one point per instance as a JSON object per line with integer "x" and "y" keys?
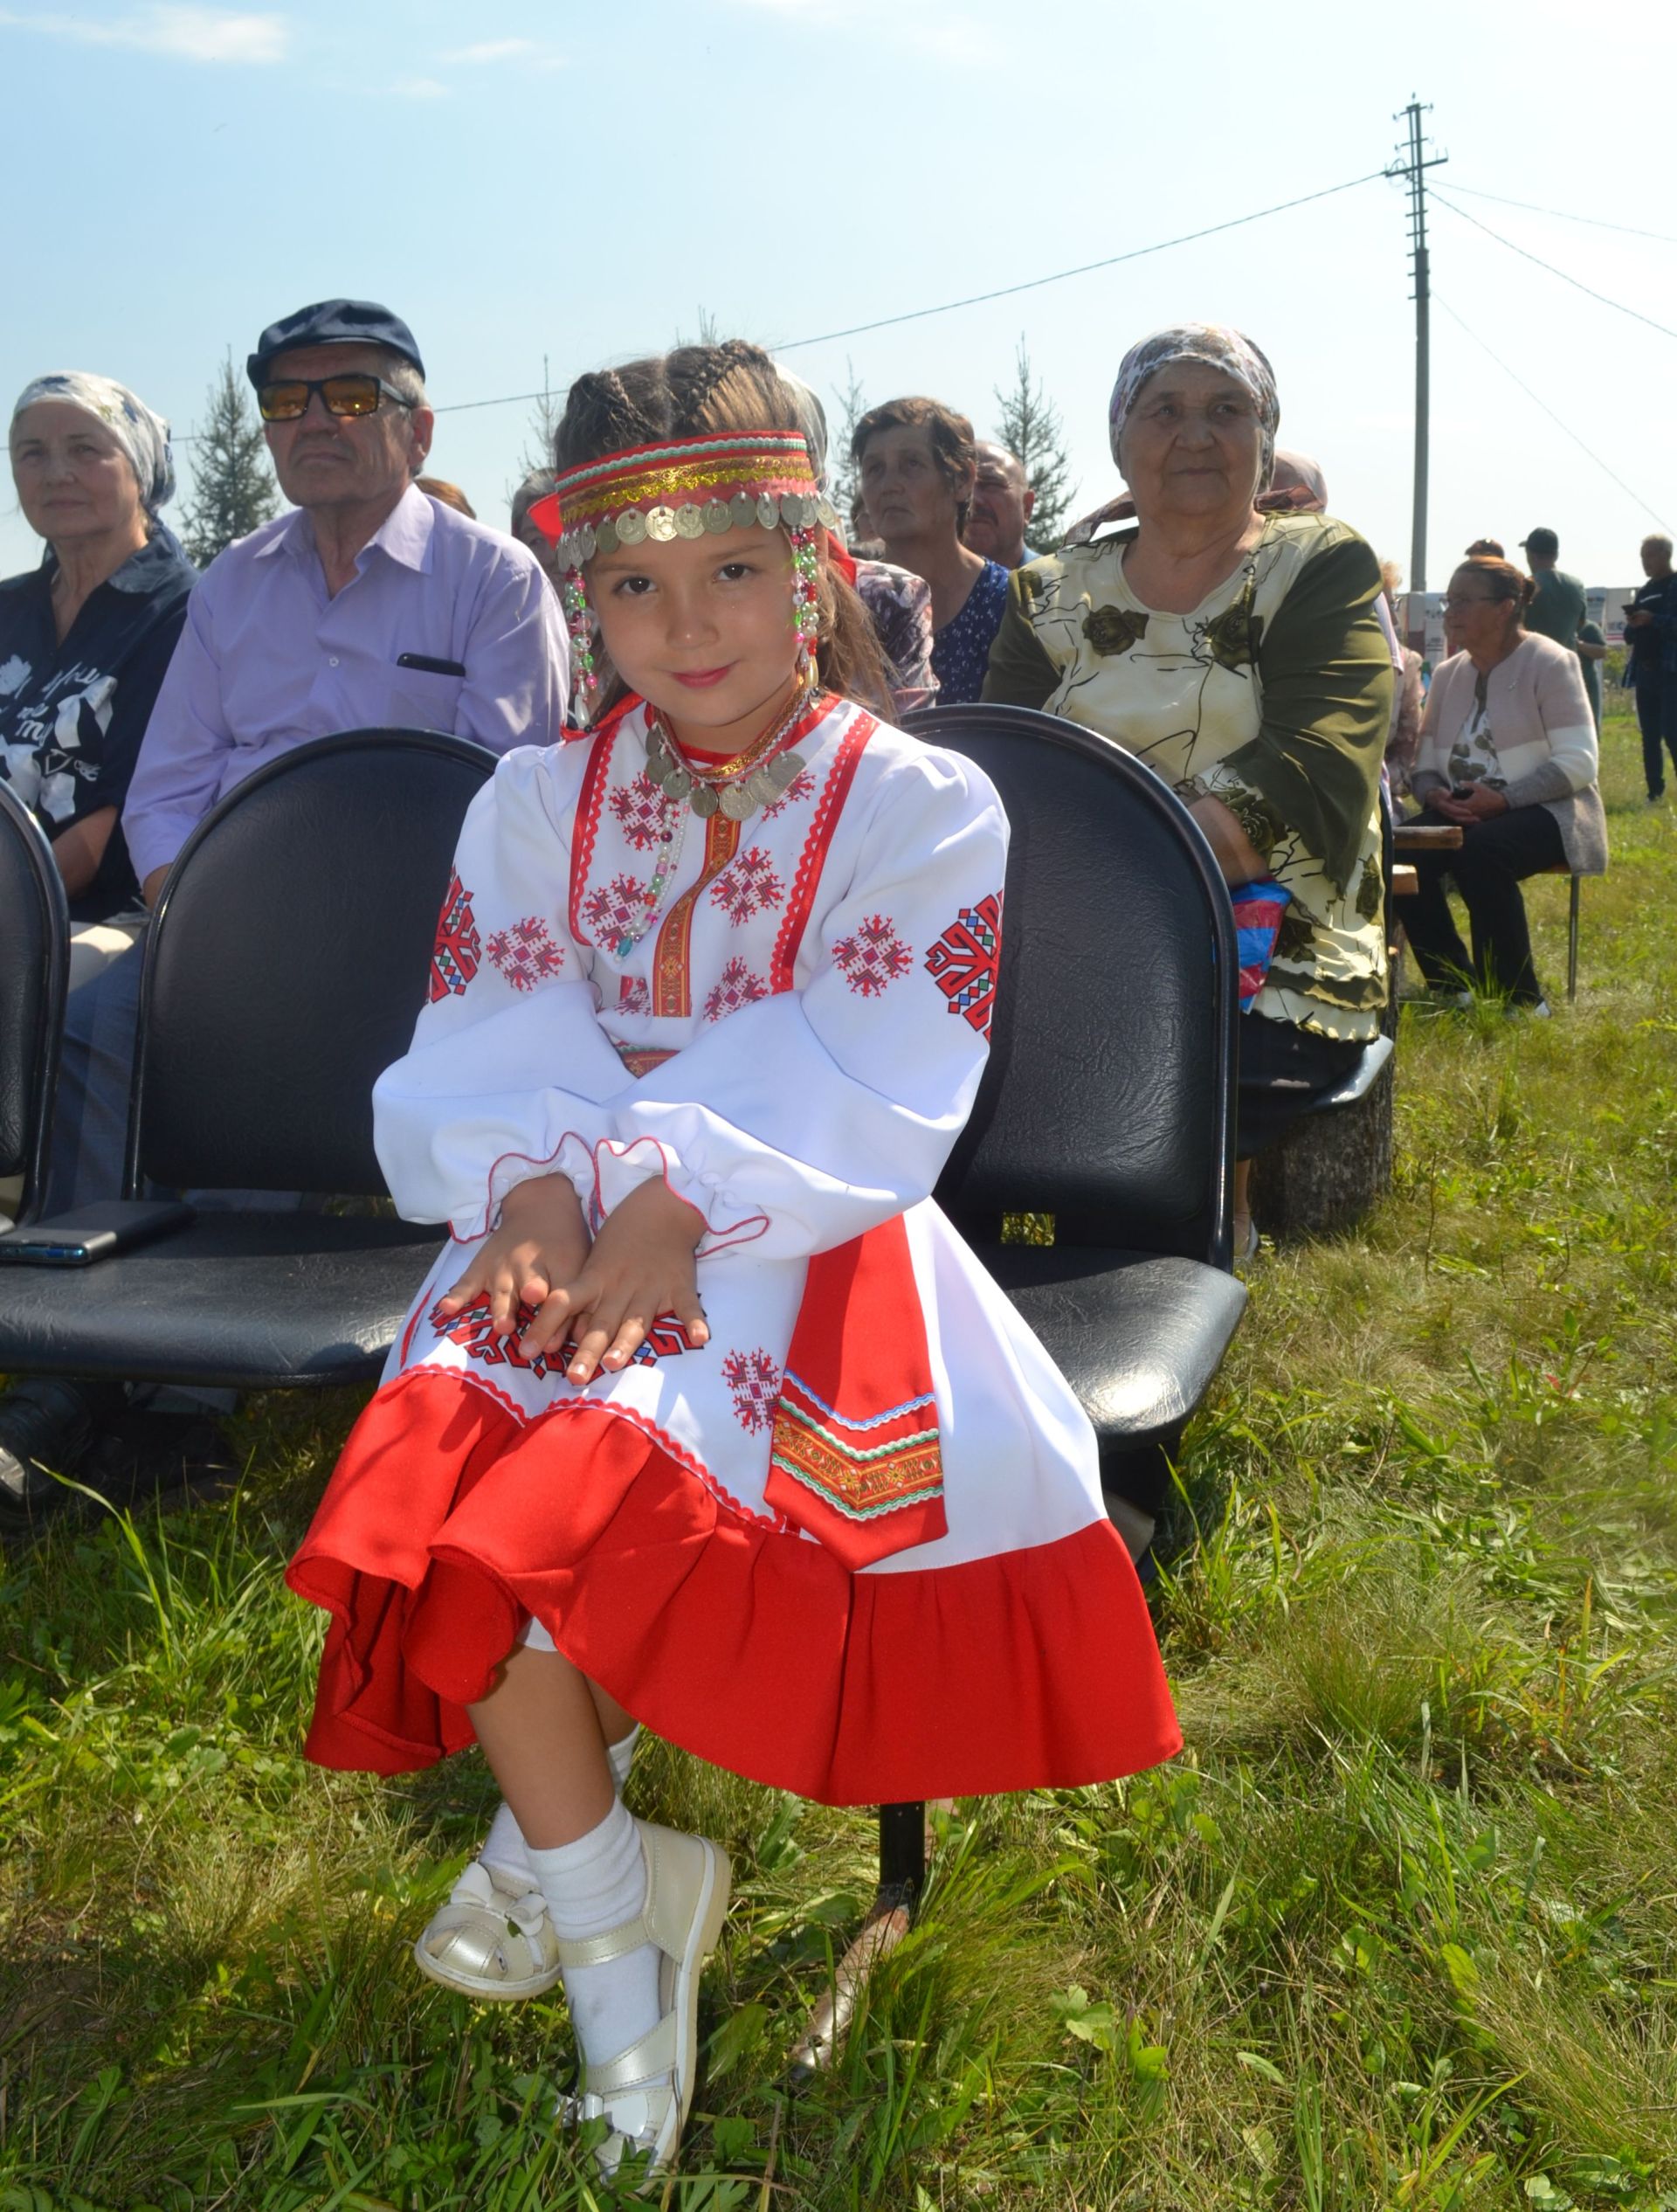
{"x": 232, "y": 484}
{"x": 1030, "y": 427}
{"x": 844, "y": 476}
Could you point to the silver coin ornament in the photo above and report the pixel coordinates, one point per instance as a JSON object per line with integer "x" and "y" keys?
{"x": 743, "y": 510}
{"x": 676, "y": 783}
{"x": 767, "y": 511}
{"x": 660, "y": 524}
{"x": 631, "y": 527}
{"x": 719, "y": 516}
{"x": 689, "y": 522}
{"x": 735, "y": 799}
{"x": 781, "y": 772}
{"x": 703, "y": 801}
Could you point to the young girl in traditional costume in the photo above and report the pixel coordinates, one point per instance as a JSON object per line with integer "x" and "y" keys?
{"x": 706, "y": 1418}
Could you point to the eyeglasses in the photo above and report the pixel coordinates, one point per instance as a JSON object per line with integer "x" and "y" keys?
{"x": 350, "y": 396}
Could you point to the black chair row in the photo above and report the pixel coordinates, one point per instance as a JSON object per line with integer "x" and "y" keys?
{"x": 287, "y": 958}
{"x": 34, "y": 961}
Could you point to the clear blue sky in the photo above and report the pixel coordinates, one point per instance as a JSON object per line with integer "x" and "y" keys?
{"x": 531, "y": 180}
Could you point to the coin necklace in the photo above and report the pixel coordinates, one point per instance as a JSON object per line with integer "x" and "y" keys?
{"x": 751, "y": 779}
{"x": 743, "y": 785}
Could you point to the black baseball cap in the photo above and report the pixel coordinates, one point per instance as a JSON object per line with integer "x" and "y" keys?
{"x": 1542, "y": 541}
{"x": 333, "y": 322}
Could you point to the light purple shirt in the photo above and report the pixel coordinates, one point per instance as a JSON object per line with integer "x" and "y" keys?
{"x": 267, "y": 660}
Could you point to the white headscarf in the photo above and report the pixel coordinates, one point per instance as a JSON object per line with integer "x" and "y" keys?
{"x": 1218, "y": 348}
{"x": 142, "y": 436}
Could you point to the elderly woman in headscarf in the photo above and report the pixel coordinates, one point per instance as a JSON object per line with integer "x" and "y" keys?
{"x": 1238, "y": 653}
{"x": 86, "y": 636}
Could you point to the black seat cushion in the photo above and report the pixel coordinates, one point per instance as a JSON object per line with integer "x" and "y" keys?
{"x": 1137, "y": 1336}
{"x": 248, "y": 1300}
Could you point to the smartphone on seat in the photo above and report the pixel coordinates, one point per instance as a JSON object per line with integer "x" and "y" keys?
{"x": 92, "y": 1232}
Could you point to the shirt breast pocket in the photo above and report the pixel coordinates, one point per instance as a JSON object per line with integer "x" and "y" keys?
{"x": 425, "y": 699}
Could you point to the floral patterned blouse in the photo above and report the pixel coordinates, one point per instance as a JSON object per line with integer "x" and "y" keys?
{"x": 961, "y": 649}
{"x": 1272, "y": 695}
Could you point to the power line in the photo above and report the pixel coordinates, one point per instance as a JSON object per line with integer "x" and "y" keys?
{"x": 977, "y": 299}
{"x": 1086, "y": 268}
{"x": 1635, "y": 314}
{"x": 1518, "y": 379}
{"x": 1665, "y": 238}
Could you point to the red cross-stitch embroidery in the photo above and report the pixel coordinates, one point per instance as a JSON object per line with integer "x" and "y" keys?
{"x": 473, "y": 1328}
{"x": 964, "y": 961}
{"x": 526, "y": 954}
{"x": 455, "y": 956}
{"x": 802, "y": 786}
{"x": 736, "y": 987}
{"x": 748, "y": 886}
{"x": 634, "y": 995}
{"x": 873, "y": 956}
{"x": 640, "y": 808}
{"x": 754, "y": 1379}
{"x": 617, "y": 905}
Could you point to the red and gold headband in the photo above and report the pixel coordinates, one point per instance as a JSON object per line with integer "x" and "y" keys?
{"x": 722, "y": 480}
{"x": 689, "y": 488}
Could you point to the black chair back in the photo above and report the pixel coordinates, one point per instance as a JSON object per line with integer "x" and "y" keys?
{"x": 1108, "y": 1098}
{"x": 287, "y": 960}
{"x": 34, "y": 959}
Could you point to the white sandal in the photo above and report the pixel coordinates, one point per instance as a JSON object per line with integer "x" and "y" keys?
{"x": 646, "y": 2091}
{"x": 493, "y": 1940}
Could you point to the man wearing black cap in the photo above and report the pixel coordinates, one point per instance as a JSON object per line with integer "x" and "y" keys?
{"x": 1558, "y": 609}
{"x": 367, "y": 606}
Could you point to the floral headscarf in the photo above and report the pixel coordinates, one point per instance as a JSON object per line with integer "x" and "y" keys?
{"x": 1218, "y": 348}
{"x": 142, "y": 436}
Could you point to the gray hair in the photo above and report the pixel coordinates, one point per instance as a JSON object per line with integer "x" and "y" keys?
{"x": 1659, "y": 538}
{"x": 402, "y": 378}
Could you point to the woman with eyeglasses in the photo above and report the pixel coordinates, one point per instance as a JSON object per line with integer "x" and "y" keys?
{"x": 86, "y": 636}
{"x": 1508, "y": 751}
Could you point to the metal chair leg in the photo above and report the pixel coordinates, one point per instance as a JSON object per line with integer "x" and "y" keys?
{"x": 1573, "y": 941}
{"x": 902, "y": 1876}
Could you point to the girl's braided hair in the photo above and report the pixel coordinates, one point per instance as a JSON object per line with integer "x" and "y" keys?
{"x": 733, "y": 386}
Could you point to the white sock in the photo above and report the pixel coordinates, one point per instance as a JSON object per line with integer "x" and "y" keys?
{"x": 620, "y": 1757}
{"x": 504, "y": 1845}
{"x": 590, "y": 1885}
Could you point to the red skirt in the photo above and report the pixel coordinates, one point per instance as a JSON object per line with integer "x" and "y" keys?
{"x": 449, "y": 1522}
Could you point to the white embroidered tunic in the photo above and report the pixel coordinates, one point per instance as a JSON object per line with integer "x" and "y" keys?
{"x": 794, "y": 1043}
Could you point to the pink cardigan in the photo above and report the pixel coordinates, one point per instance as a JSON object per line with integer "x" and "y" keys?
{"x": 1545, "y": 737}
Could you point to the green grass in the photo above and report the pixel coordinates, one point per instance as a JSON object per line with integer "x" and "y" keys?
{"x": 1398, "y": 1929}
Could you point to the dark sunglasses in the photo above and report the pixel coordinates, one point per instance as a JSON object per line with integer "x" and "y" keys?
{"x": 351, "y": 395}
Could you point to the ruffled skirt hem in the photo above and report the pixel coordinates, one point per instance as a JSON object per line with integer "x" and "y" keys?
{"x": 450, "y": 1522}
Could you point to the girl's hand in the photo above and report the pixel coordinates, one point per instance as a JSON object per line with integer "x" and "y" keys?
{"x": 543, "y": 1241}
{"x": 641, "y": 1265}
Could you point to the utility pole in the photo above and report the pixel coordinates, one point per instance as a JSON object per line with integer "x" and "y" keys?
{"x": 1413, "y": 160}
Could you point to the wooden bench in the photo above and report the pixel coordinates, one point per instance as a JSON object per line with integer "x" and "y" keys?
{"x": 1445, "y": 837}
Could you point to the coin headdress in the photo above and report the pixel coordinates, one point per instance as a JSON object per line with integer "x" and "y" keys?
{"x": 686, "y": 488}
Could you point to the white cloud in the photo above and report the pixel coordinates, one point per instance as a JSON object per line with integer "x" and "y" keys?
{"x": 188, "y": 34}
{"x": 490, "y": 50}
{"x": 419, "y": 88}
